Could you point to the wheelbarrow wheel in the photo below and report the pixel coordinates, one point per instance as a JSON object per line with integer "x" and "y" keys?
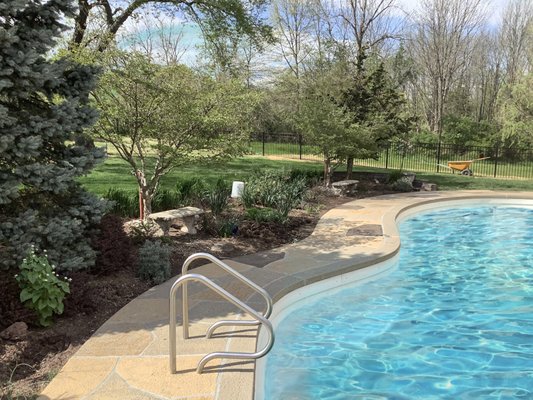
{"x": 467, "y": 172}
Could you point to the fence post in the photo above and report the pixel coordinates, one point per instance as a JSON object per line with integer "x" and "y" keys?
{"x": 438, "y": 157}
{"x": 263, "y": 140}
{"x": 387, "y": 156}
{"x": 300, "y": 143}
{"x": 496, "y": 156}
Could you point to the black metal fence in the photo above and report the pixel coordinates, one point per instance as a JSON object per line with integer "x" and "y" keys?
{"x": 495, "y": 161}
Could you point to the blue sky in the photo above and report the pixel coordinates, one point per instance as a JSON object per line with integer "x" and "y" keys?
{"x": 192, "y": 36}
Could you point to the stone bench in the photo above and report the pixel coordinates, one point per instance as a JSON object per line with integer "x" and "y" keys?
{"x": 186, "y": 216}
{"x": 344, "y": 188}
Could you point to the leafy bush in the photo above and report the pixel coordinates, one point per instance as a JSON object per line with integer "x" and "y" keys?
{"x": 395, "y": 175}
{"x": 141, "y": 231}
{"x": 115, "y": 250}
{"x": 166, "y": 200}
{"x": 264, "y": 215}
{"x": 216, "y": 197}
{"x": 125, "y": 202}
{"x": 227, "y": 227}
{"x": 402, "y": 185}
{"x": 154, "y": 262}
{"x": 42, "y": 289}
{"x": 274, "y": 189}
{"x": 311, "y": 178}
{"x": 189, "y": 190}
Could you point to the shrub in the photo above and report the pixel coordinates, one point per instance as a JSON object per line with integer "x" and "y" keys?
{"x": 125, "y": 202}
{"x": 395, "y": 175}
{"x": 264, "y": 215}
{"x": 42, "y": 289}
{"x": 402, "y": 185}
{"x": 274, "y": 189}
{"x": 216, "y": 197}
{"x": 311, "y": 178}
{"x": 166, "y": 200}
{"x": 115, "y": 250}
{"x": 227, "y": 227}
{"x": 189, "y": 190}
{"x": 154, "y": 262}
{"x": 141, "y": 231}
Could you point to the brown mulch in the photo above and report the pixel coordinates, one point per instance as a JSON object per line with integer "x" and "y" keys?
{"x": 27, "y": 365}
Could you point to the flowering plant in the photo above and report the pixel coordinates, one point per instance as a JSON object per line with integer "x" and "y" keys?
{"x": 42, "y": 289}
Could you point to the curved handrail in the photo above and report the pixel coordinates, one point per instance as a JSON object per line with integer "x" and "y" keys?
{"x": 232, "y": 299}
{"x": 239, "y": 276}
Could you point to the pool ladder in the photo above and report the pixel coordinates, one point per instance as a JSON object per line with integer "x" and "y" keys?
{"x": 259, "y": 318}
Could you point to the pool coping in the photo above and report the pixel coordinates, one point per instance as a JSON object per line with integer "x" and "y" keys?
{"x": 128, "y": 356}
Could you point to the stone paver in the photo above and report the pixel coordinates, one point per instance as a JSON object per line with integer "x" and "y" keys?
{"x": 127, "y": 358}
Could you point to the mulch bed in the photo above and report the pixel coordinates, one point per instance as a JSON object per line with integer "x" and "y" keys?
{"x": 27, "y": 365}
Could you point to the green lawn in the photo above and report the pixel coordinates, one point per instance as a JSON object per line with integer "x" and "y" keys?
{"x": 418, "y": 158}
{"x": 115, "y": 173}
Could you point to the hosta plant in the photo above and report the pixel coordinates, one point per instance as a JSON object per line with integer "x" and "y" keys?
{"x": 43, "y": 291}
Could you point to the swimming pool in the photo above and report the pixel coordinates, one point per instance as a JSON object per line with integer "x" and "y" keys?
{"x": 453, "y": 320}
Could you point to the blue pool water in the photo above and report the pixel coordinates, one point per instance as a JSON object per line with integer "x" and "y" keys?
{"x": 453, "y": 321}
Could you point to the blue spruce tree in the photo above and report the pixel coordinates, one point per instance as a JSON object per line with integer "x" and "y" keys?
{"x": 43, "y": 108}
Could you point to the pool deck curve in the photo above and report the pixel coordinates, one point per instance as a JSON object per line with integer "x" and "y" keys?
{"x": 127, "y": 357}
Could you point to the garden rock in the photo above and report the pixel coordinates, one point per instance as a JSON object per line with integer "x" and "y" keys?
{"x": 428, "y": 187}
{"x": 16, "y": 331}
{"x": 345, "y": 188}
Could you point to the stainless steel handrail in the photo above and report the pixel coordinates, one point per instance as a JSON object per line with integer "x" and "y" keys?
{"x": 237, "y": 275}
{"x": 232, "y": 299}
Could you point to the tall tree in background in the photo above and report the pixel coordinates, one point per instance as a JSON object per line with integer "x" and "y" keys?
{"x": 42, "y": 105}
{"x": 366, "y": 27}
{"x": 218, "y": 17}
{"x": 441, "y": 45}
{"x": 515, "y": 34}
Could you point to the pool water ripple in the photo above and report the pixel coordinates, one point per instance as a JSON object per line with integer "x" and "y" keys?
{"x": 454, "y": 320}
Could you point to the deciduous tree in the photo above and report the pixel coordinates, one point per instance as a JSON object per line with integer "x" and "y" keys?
{"x": 160, "y": 117}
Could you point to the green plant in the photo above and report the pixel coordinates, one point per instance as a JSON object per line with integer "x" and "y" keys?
{"x": 189, "y": 190}
{"x": 216, "y": 197}
{"x": 125, "y": 202}
{"x": 42, "y": 289}
{"x": 154, "y": 262}
{"x": 274, "y": 189}
{"x": 402, "y": 185}
{"x": 141, "y": 231}
{"x": 45, "y": 103}
{"x": 227, "y": 227}
{"x": 265, "y": 214}
{"x": 166, "y": 199}
{"x": 395, "y": 175}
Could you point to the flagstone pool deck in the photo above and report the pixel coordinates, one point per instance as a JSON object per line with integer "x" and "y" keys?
{"x": 127, "y": 358}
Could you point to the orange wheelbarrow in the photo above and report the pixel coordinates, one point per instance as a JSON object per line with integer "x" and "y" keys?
{"x": 462, "y": 166}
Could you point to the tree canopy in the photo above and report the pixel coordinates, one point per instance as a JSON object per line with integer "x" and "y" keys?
{"x": 159, "y": 117}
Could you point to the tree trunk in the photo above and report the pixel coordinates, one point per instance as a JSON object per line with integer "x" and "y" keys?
{"x": 349, "y": 167}
{"x": 80, "y": 24}
{"x": 328, "y": 172}
{"x": 145, "y": 195}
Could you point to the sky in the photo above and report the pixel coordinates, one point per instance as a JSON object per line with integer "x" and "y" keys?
{"x": 192, "y": 37}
